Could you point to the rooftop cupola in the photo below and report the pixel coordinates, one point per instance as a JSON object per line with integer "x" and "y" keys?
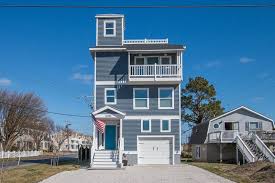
{"x": 109, "y": 29}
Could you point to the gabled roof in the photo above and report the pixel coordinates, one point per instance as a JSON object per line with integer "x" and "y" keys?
{"x": 108, "y": 108}
{"x": 244, "y": 108}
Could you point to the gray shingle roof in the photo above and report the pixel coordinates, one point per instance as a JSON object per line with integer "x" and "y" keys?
{"x": 199, "y": 133}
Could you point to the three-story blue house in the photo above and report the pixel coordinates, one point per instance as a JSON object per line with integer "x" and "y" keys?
{"x": 137, "y": 86}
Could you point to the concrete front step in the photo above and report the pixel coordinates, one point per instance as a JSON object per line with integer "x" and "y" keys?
{"x": 105, "y": 166}
{"x": 105, "y": 163}
{"x": 105, "y": 159}
{"x": 106, "y": 152}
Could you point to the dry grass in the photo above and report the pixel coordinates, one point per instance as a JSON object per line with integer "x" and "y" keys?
{"x": 35, "y": 173}
{"x": 262, "y": 172}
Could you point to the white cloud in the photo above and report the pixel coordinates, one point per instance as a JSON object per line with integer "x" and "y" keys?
{"x": 85, "y": 78}
{"x": 263, "y": 75}
{"x": 257, "y": 99}
{"x": 80, "y": 66}
{"x": 5, "y": 82}
{"x": 208, "y": 65}
{"x": 246, "y": 60}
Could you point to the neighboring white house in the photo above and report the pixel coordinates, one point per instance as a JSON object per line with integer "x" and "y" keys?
{"x": 240, "y": 135}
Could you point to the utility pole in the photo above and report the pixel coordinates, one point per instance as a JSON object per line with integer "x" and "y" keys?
{"x": 67, "y": 133}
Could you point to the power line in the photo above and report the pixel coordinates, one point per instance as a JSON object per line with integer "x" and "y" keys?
{"x": 138, "y": 6}
{"x": 46, "y": 111}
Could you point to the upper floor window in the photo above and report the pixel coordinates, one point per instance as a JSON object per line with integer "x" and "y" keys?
{"x": 166, "y": 98}
{"x": 165, "y": 126}
{"x": 110, "y": 96}
{"x": 141, "y": 98}
{"x": 109, "y": 28}
{"x": 146, "y": 125}
{"x": 165, "y": 60}
{"x": 255, "y": 126}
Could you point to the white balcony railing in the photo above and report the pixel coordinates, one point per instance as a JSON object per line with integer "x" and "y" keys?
{"x": 155, "y": 72}
{"x": 146, "y": 41}
{"x": 223, "y": 136}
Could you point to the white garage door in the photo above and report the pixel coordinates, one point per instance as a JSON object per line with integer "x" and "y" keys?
{"x": 154, "y": 151}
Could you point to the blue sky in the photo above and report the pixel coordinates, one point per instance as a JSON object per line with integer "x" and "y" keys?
{"x": 46, "y": 51}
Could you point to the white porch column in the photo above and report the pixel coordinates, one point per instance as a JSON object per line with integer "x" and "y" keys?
{"x": 120, "y": 128}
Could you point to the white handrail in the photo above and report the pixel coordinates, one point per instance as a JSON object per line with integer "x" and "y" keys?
{"x": 156, "y": 70}
{"x": 264, "y": 149}
{"x": 146, "y": 41}
{"x": 245, "y": 150}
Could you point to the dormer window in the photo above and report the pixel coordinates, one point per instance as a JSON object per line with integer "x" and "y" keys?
{"x": 109, "y": 28}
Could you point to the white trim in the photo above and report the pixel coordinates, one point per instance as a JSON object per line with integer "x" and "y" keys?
{"x": 180, "y": 116}
{"x": 114, "y": 28}
{"x": 173, "y": 98}
{"x": 157, "y": 50}
{"x": 159, "y": 117}
{"x": 110, "y": 108}
{"x": 134, "y": 103}
{"x": 94, "y": 107}
{"x": 109, "y": 16}
{"x": 169, "y": 125}
{"x": 146, "y": 41}
{"x": 242, "y": 107}
{"x": 136, "y": 82}
{"x": 158, "y": 136}
{"x": 107, "y": 49}
{"x": 96, "y": 32}
{"x": 122, "y": 30}
{"x": 141, "y": 126}
{"x": 105, "y": 95}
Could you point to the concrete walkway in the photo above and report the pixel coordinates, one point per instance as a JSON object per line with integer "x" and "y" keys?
{"x": 139, "y": 174}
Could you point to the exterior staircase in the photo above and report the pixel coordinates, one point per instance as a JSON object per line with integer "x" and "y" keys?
{"x": 253, "y": 148}
{"x": 104, "y": 159}
{"x": 259, "y": 155}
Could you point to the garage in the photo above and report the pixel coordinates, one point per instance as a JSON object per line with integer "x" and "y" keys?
{"x": 155, "y": 150}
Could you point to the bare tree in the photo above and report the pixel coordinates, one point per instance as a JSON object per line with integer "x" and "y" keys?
{"x": 40, "y": 131}
{"x": 18, "y": 112}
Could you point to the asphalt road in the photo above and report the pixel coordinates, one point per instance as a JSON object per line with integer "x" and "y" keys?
{"x": 36, "y": 160}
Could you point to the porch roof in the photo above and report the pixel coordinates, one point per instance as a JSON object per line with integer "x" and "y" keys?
{"x": 108, "y": 112}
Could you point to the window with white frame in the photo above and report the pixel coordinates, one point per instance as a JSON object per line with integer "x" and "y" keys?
{"x": 145, "y": 125}
{"x": 109, "y": 28}
{"x": 165, "y": 60}
{"x": 165, "y": 125}
{"x": 110, "y": 96}
{"x": 166, "y": 98}
{"x": 141, "y": 98}
{"x": 255, "y": 126}
{"x": 198, "y": 152}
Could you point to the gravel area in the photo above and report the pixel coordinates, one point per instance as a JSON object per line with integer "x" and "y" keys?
{"x": 139, "y": 174}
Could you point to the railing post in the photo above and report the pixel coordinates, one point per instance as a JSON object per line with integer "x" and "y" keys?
{"x": 155, "y": 73}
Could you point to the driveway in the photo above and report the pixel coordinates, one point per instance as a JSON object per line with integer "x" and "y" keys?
{"x": 139, "y": 174}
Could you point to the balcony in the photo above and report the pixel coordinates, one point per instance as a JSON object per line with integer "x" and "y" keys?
{"x": 156, "y": 72}
{"x": 226, "y": 136}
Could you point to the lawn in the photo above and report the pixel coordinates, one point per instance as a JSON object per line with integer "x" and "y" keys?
{"x": 252, "y": 172}
{"x": 35, "y": 173}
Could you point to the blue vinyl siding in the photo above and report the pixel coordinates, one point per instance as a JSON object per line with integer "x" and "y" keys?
{"x": 132, "y": 128}
{"x": 125, "y": 100}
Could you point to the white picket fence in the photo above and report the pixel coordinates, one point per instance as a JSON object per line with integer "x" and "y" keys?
{"x": 16, "y": 154}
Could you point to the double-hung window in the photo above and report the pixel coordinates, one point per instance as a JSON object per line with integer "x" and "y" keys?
{"x": 165, "y": 125}
{"x": 109, "y": 28}
{"x": 255, "y": 126}
{"x": 145, "y": 125}
{"x": 141, "y": 98}
{"x": 166, "y": 98}
{"x": 110, "y": 96}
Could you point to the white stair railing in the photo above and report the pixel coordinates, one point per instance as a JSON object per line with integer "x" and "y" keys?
{"x": 264, "y": 149}
{"x": 250, "y": 157}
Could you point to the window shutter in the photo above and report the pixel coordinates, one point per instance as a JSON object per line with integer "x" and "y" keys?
{"x": 246, "y": 126}
{"x": 261, "y": 125}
